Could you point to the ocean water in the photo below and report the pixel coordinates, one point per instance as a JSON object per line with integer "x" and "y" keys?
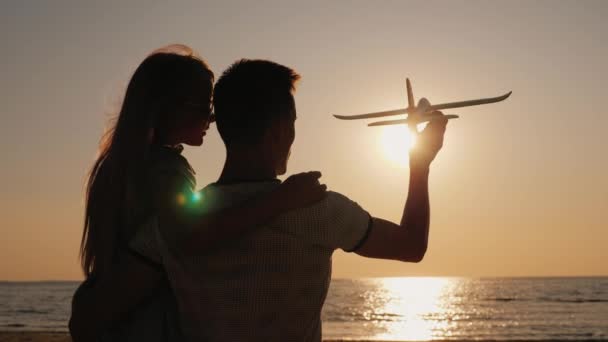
{"x": 398, "y": 309}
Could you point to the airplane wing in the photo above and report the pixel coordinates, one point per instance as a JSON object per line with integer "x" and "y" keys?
{"x": 427, "y": 109}
{"x": 424, "y": 118}
{"x": 372, "y": 115}
{"x": 469, "y": 103}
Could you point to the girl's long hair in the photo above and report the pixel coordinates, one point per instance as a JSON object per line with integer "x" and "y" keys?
{"x": 163, "y": 82}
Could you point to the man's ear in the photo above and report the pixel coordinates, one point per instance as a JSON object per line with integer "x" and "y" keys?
{"x": 270, "y": 139}
{"x": 274, "y": 133}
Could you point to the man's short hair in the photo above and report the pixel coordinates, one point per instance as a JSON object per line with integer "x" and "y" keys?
{"x": 249, "y": 96}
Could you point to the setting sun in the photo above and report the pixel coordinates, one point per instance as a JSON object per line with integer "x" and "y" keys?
{"x": 395, "y": 143}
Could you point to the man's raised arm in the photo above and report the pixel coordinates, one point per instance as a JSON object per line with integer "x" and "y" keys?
{"x": 408, "y": 241}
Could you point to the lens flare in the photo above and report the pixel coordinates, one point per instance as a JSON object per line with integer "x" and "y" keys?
{"x": 196, "y": 197}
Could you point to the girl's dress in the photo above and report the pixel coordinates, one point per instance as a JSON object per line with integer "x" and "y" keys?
{"x": 156, "y": 319}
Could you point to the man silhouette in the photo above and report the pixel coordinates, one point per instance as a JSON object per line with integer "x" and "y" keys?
{"x": 271, "y": 284}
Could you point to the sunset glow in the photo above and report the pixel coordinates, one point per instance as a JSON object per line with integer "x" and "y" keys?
{"x": 395, "y": 143}
{"x": 517, "y": 189}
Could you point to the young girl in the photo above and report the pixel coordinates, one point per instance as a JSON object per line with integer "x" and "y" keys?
{"x": 140, "y": 180}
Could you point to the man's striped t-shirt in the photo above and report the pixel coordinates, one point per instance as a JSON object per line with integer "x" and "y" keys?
{"x": 267, "y": 285}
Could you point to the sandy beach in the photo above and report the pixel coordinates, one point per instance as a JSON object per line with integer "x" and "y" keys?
{"x": 34, "y": 336}
{"x": 23, "y": 336}
{"x": 31, "y": 336}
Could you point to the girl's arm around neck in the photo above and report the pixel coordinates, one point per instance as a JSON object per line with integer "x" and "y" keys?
{"x": 204, "y": 230}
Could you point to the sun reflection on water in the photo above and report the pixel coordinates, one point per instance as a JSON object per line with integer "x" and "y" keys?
{"x": 414, "y": 304}
{"x": 422, "y": 309}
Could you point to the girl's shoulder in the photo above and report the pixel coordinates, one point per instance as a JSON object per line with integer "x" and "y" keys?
{"x": 168, "y": 161}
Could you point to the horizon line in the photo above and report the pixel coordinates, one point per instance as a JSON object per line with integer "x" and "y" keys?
{"x": 357, "y": 278}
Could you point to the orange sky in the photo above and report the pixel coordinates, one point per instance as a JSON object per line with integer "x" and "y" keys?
{"x": 519, "y": 189}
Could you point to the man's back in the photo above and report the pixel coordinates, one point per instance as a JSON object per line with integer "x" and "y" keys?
{"x": 266, "y": 286}
{"x": 270, "y": 284}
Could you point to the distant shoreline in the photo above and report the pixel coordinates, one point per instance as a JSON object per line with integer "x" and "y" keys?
{"x": 362, "y": 278}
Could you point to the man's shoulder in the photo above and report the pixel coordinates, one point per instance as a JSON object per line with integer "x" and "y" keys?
{"x": 332, "y": 203}
{"x": 331, "y": 208}
{"x": 337, "y": 198}
{"x": 334, "y": 222}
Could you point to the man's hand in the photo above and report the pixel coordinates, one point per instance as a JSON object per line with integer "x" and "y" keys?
{"x": 301, "y": 190}
{"x": 428, "y": 143}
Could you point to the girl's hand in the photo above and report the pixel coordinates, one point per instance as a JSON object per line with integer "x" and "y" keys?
{"x": 301, "y": 190}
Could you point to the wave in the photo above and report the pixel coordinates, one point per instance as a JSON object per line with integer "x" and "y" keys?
{"x": 549, "y": 300}
{"x": 581, "y": 300}
{"x": 362, "y": 317}
{"x": 499, "y": 299}
{"x": 31, "y": 311}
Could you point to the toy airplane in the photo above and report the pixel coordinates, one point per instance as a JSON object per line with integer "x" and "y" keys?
{"x": 421, "y": 113}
